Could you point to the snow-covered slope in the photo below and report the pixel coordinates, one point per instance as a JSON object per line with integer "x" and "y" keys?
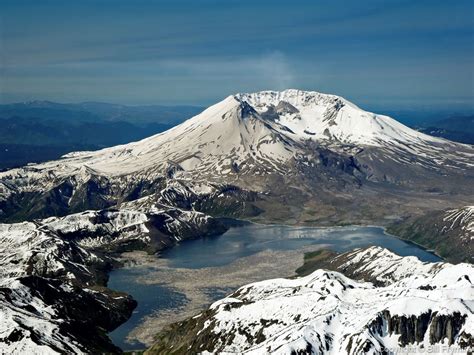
{"x": 231, "y": 129}
{"x": 316, "y": 116}
{"x": 52, "y": 275}
{"x": 46, "y": 303}
{"x": 416, "y": 304}
{"x": 119, "y": 229}
{"x": 110, "y": 230}
{"x": 27, "y": 249}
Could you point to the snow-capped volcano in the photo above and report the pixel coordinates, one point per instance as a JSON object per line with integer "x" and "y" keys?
{"x": 285, "y": 157}
{"x": 313, "y": 140}
{"x": 265, "y": 127}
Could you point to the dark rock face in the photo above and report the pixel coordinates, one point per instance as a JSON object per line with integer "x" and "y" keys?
{"x": 271, "y": 114}
{"x": 30, "y": 205}
{"x": 307, "y": 351}
{"x": 162, "y": 237}
{"x": 330, "y": 115}
{"x": 182, "y": 197}
{"x": 413, "y": 329}
{"x": 229, "y": 201}
{"x": 448, "y": 327}
{"x": 285, "y": 107}
{"x": 88, "y": 317}
{"x": 327, "y": 259}
{"x": 72, "y": 196}
{"x": 172, "y": 170}
{"x": 185, "y": 338}
{"x": 247, "y": 111}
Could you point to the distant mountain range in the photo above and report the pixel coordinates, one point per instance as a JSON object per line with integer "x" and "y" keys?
{"x": 457, "y": 128}
{"x": 42, "y": 130}
{"x": 99, "y": 111}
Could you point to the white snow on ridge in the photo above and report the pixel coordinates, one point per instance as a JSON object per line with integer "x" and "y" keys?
{"x": 26, "y": 250}
{"x": 60, "y": 251}
{"x": 25, "y": 246}
{"x": 334, "y": 314}
{"x": 116, "y": 220}
{"x": 322, "y": 117}
{"x": 462, "y": 218}
{"x": 40, "y": 317}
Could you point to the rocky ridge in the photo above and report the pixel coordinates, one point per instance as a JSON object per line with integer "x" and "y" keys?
{"x": 53, "y": 276}
{"x": 406, "y": 303}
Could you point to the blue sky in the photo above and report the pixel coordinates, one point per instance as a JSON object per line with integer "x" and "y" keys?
{"x": 376, "y": 53}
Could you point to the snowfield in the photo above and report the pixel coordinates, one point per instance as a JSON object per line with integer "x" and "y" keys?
{"x": 316, "y": 116}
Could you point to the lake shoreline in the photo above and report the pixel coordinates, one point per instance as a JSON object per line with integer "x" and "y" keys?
{"x": 298, "y": 252}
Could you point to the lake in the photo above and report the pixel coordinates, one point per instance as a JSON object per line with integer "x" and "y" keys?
{"x": 188, "y": 277}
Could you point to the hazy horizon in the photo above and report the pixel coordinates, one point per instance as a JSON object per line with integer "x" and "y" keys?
{"x": 397, "y": 54}
{"x": 428, "y": 112}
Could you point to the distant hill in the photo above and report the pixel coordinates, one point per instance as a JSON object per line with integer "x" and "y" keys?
{"x": 37, "y": 131}
{"x": 459, "y": 129}
{"x": 93, "y": 111}
{"x": 32, "y": 131}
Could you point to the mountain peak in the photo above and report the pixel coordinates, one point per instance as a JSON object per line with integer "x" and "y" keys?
{"x": 296, "y": 97}
{"x": 324, "y": 117}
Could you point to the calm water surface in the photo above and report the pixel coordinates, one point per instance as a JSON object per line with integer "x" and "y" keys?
{"x": 236, "y": 243}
